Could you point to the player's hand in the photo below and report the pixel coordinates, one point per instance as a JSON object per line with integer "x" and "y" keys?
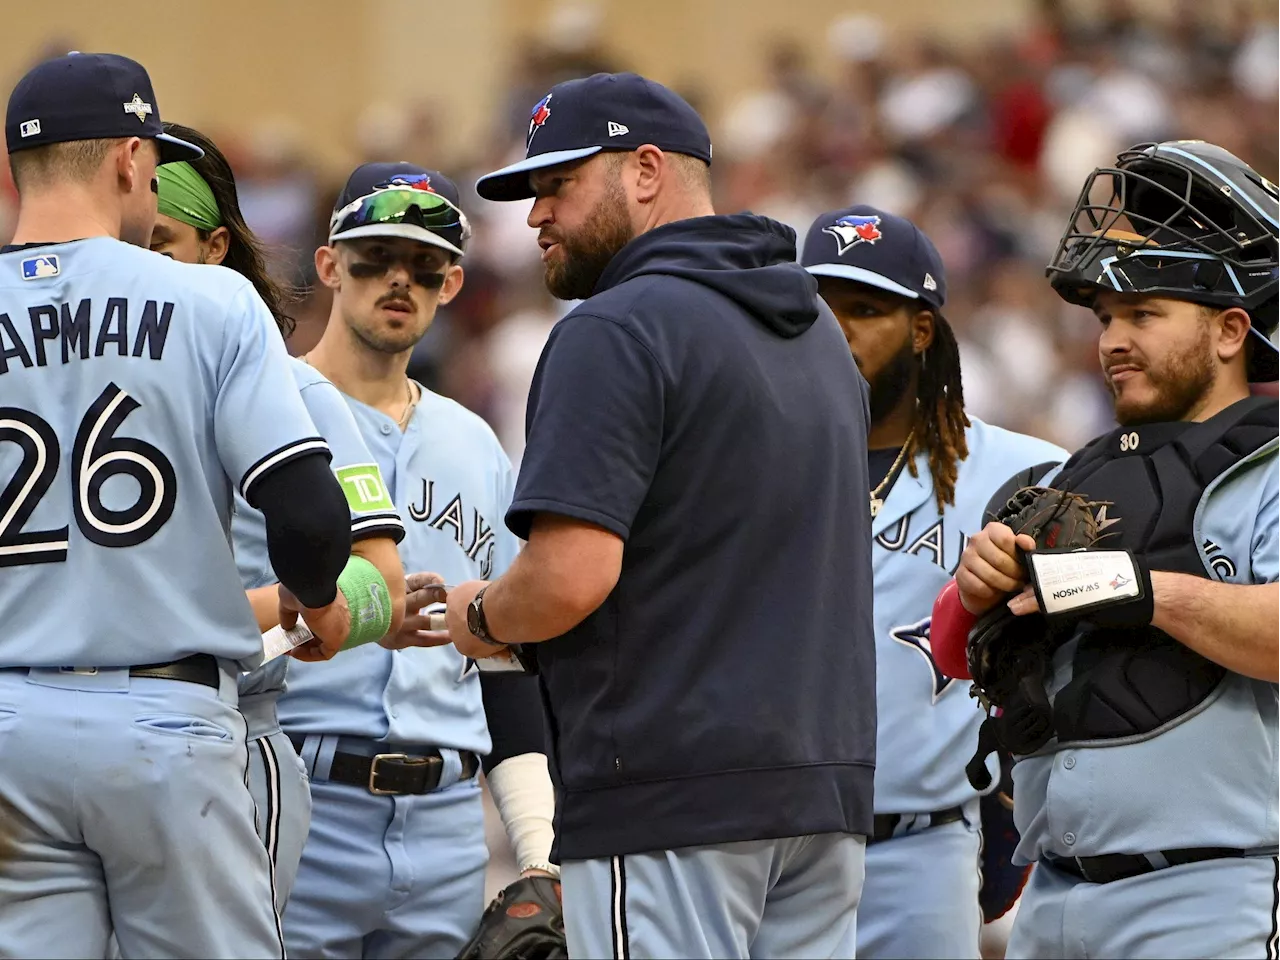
{"x": 990, "y": 569}
{"x": 420, "y": 590}
{"x": 455, "y": 618}
{"x": 331, "y": 625}
{"x": 1025, "y": 602}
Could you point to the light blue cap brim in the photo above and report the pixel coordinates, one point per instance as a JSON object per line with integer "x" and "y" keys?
{"x": 512, "y": 183}
{"x": 843, "y": 271}
{"x": 175, "y": 149}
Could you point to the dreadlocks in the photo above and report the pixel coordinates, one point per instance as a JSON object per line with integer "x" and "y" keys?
{"x": 940, "y": 418}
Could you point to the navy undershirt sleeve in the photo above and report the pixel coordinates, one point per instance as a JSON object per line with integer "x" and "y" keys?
{"x": 513, "y": 711}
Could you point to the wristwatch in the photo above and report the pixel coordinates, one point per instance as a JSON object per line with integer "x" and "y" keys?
{"x": 476, "y": 622}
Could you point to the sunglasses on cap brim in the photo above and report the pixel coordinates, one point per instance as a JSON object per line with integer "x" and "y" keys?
{"x": 397, "y": 205}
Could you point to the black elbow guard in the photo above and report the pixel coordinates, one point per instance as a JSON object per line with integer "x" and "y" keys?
{"x": 308, "y": 527}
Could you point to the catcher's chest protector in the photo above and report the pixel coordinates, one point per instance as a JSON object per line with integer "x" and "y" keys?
{"x": 1128, "y": 682}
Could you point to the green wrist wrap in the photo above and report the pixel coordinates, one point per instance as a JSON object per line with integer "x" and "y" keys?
{"x": 368, "y": 599}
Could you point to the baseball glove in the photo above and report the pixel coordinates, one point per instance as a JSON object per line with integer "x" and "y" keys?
{"x": 1055, "y": 519}
{"x": 1007, "y": 654}
{"x": 524, "y": 922}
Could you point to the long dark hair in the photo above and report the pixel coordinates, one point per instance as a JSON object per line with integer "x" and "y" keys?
{"x": 244, "y": 252}
{"x": 940, "y": 418}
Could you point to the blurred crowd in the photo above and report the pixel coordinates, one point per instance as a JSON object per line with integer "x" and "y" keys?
{"x": 984, "y": 145}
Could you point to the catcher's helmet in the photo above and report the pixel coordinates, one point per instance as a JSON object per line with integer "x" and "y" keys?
{"x": 1183, "y": 219}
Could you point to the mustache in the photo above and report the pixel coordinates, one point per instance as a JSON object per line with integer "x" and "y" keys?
{"x": 396, "y": 296}
{"x": 1117, "y": 364}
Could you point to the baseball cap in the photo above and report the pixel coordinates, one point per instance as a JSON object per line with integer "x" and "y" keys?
{"x": 88, "y": 96}
{"x": 401, "y": 200}
{"x": 867, "y": 245}
{"x": 607, "y": 111}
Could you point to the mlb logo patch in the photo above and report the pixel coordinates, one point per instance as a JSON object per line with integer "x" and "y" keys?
{"x": 29, "y": 128}
{"x": 41, "y": 267}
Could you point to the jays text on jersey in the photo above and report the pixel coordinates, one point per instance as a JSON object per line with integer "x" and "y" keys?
{"x": 451, "y": 483}
{"x": 927, "y": 721}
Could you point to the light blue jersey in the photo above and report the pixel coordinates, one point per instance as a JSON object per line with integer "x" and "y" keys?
{"x": 1208, "y": 780}
{"x": 136, "y": 394}
{"x": 920, "y": 894}
{"x": 926, "y": 722}
{"x": 361, "y": 481}
{"x": 451, "y": 483}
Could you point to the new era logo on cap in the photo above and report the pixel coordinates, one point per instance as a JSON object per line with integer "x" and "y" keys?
{"x": 618, "y": 129}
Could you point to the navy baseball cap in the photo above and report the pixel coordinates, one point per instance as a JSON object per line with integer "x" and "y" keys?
{"x": 88, "y": 96}
{"x": 401, "y": 200}
{"x": 608, "y": 111}
{"x": 870, "y": 246}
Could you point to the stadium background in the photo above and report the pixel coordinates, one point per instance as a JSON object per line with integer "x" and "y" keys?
{"x": 977, "y": 120}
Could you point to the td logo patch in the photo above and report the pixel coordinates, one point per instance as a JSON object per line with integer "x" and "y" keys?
{"x": 364, "y": 488}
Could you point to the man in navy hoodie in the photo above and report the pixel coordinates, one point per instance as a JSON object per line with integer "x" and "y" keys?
{"x": 694, "y": 497}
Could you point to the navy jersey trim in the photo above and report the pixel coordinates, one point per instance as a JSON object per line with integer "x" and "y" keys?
{"x": 378, "y": 525}
{"x": 278, "y": 458}
{"x": 271, "y": 776}
{"x": 618, "y": 908}
{"x": 1273, "y": 941}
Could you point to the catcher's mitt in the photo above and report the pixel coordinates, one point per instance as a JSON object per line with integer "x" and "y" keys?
{"x": 1008, "y": 654}
{"x": 1004, "y": 648}
{"x": 1055, "y": 519}
{"x": 524, "y": 922}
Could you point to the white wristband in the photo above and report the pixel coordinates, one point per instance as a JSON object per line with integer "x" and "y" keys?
{"x": 526, "y": 802}
{"x": 1083, "y": 578}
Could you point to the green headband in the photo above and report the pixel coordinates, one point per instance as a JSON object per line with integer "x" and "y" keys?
{"x": 186, "y": 196}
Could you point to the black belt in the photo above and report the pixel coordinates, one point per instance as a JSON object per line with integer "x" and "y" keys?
{"x": 886, "y": 823}
{"x": 393, "y": 774}
{"x": 1121, "y": 866}
{"x": 198, "y": 668}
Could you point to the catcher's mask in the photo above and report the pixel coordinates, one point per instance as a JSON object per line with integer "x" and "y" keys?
{"x": 1182, "y": 219}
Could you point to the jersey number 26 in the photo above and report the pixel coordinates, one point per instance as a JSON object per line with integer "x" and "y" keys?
{"x": 98, "y": 456}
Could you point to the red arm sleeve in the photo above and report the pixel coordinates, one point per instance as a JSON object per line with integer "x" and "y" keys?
{"x": 949, "y": 633}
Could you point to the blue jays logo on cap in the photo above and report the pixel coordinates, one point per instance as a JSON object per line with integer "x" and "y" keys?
{"x": 41, "y": 267}
{"x": 878, "y": 249}
{"x": 538, "y": 116}
{"x": 852, "y": 230}
{"x": 416, "y": 181}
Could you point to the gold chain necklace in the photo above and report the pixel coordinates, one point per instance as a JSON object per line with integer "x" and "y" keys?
{"x": 877, "y": 501}
{"x": 409, "y": 404}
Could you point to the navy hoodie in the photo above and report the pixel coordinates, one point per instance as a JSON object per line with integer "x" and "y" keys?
{"x": 703, "y": 406}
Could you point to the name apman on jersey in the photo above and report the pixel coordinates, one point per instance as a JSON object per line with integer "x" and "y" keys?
{"x": 30, "y": 341}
